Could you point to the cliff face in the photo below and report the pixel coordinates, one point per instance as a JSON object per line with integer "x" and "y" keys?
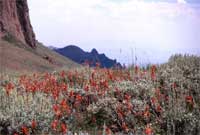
{"x": 14, "y": 19}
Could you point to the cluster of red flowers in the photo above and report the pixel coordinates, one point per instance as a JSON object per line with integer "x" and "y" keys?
{"x": 25, "y": 129}
{"x": 153, "y": 72}
{"x": 94, "y": 85}
{"x": 9, "y": 87}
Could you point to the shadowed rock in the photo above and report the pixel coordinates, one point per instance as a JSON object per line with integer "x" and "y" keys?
{"x": 14, "y": 20}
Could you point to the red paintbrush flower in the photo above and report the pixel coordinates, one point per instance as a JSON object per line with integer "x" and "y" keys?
{"x": 64, "y": 106}
{"x": 57, "y": 110}
{"x": 24, "y": 130}
{"x": 64, "y": 87}
{"x": 86, "y": 88}
{"x": 127, "y": 97}
{"x": 62, "y": 74}
{"x": 33, "y": 124}
{"x": 189, "y": 99}
{"x": 148, "y": 130}
{"x": 124, "y": 127}
{"x": 108, "y": 131}
{"x": 153, "y": 100}
{"x": 78, "y": 97}
{"x": 63, "y": 128}
{"x": 146, "y": 114}
{"x": 159, "y": 109}
{"x": 54, "y": 125}
{"x": 8, "y": 88}
{"x": 153, "y": 72}
{"x": 71, "y": 94}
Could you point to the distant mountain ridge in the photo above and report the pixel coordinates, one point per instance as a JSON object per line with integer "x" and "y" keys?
{"x": 80, "y": 56}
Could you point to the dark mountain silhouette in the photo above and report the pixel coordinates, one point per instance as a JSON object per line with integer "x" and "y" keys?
{"x": 80, "y": 56}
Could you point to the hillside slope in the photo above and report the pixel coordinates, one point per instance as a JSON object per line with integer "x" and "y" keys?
{"x": 17, "y": 57}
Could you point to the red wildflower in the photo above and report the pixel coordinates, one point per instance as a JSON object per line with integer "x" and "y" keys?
{"x": 136, "y": 69}
{"x": 57, "y": 110}
{"x": 189, "y": 99}
{"x": 120, "y": 115}
{"x": 24, "y": 130}
{"x": 153, "y": 100}
{"x": 159, "y": 109}
{"x": 33, "y": 124}
{"x": 79, "y": 97}
{"x": 71, "y": 94}
{"x": 63, "y": 128}
{"x": 55, "y": 94}
{"x": 86, "y": 88}
{"x": 64, "y": 106}
{"x": 158, "y": 94}
{"x": 127, "y": 97}
{"x": 124, "y": 127}
{"x": 153, "y": 72}
{"x": 174, "y": 85}
{"x": 8, "y": 88}
{"x": 64, "y": 87}
{"x": 62, "y": 74}
{"x": 148, "y": 130}
{"x": 108, "y": 131}
{"x": 54, "y": 125}
{"x": 146, "y": 114}
{"x": 129, "y": 106}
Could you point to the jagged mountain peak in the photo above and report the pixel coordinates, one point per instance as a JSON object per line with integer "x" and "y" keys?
{"x": 80, "y": 56}
{"x": 94, "y": 51}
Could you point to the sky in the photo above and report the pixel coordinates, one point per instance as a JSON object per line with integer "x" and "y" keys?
{"x": 151, "y": 30}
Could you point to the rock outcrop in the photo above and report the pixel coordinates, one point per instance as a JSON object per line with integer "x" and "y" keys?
{"x": 14, "y": 20}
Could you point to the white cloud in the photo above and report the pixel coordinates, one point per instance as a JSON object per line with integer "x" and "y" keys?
{"x": 95, "y": 22}
{"x": 104, "y": 19}
{"x": 181, "y": 1}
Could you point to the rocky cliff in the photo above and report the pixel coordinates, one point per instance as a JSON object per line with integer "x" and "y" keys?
{"x": 14, "y": 20}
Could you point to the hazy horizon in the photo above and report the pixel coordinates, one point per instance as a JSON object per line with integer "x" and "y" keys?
{"x": 152, "y": 30}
